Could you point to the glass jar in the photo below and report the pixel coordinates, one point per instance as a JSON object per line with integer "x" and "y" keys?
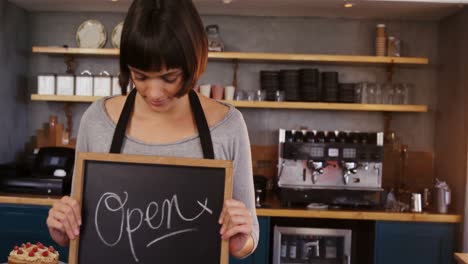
{"x": 371, "y": 93}
{"x": 388, "y": 93}
{"x": 215, "y": 43}
{"x": 393, "y": 47}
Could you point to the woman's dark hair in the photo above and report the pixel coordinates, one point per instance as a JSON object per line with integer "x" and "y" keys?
{"x": 167, "y": 33}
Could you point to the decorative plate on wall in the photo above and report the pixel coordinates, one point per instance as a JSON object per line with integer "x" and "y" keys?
{"x": 116, "y": 34}
{"x": 91, "y": 34}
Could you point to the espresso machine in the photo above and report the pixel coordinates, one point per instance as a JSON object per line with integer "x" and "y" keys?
{"x": 329, "y": 167}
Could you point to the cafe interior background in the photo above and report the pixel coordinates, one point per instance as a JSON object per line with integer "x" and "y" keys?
{"x": 425, "y": 130}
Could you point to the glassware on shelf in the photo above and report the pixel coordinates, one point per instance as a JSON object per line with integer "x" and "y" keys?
{"x": 260, "y": 95}
{"x": 358, "y": 93}
{"x": 371, "y": 93}
{"x": 239, "y": 95}
{"x": 251, "y": 95}
{"x": 378, "y": 93}
{"x": 388, "y": 93}
{"x": 407, "y": 90}
{"x": 279, "y": 96}
{"x": 398, "y": 88}
{"x": 393, "y": 47}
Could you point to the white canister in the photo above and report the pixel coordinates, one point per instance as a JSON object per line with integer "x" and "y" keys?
{"x": 84, "y": 84}
{"x": 116, "y": 90}
{"x": 46, "y": 84}
{"x": 102, "y": 84}
{"x": 130, "y": 86}
{"x": 65, "y": 85}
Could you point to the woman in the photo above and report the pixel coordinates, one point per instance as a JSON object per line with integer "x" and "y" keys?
{"x": 163, "y": 52}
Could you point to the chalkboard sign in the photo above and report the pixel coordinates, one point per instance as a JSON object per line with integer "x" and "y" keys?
{"x": 147, "y": 209}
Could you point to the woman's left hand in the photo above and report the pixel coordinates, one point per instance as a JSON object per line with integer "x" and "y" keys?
{"x": 236, "y": 222}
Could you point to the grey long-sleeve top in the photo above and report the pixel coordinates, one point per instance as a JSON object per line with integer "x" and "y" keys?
{"x": 230, "y": 142}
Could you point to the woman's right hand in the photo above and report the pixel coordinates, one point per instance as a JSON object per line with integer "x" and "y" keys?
{"x": 64, "y": 220}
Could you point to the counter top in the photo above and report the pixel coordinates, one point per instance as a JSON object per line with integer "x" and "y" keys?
{"x": 27, "y": 199}
{"x": 276, "y": 210}
{"x": 462, "y": 258}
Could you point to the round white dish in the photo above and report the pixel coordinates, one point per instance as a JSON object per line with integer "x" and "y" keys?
{"x": 116, "y": 35}
{"x": 91, "y": 34}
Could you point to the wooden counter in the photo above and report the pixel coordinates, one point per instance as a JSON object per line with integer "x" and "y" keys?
{"x": 361, "y": 215}
{"x": 462, "y": 258}
{"x": 277, "y": 211}
{"x": 28, "y": 199}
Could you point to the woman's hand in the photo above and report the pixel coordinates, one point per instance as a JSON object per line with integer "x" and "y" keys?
{"x": 64, "y": 220}
{"x": 236, "y": 222}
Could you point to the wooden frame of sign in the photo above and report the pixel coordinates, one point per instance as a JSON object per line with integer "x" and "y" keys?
{"x": 117, "y": 162}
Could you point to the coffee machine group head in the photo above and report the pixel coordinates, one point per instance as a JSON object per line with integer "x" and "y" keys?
{"x": 330, "y": 160}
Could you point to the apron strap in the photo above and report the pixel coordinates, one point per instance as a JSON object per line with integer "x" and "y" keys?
{"x": 197, "y": 110}
{"x": 202, "y": 125}
{"x": 121, "y": 128}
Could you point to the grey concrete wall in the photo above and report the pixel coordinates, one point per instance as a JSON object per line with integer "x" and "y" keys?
{"x": 269, "y": 34}
{"x": 14, "y": 54}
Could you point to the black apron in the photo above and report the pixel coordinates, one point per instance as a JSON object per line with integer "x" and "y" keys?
{"x": 200, "y": 119}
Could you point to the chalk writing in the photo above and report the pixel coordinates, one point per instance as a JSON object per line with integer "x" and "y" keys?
{"x": 152, "y": 210}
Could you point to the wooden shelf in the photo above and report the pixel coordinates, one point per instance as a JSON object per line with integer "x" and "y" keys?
{"x": 64, "y": 98}
{"x": 316, "y": 58}
{"x": 331, "y": 106}
{"x": 252, "y": 56}
{"x": 267, "y": 105}
{"x": 75, "y": 51}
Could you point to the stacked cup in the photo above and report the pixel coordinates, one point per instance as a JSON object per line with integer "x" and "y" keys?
{"x": 381, "y": 40}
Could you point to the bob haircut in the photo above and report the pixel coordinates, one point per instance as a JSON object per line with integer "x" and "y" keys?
{"x": 163, "y": 33}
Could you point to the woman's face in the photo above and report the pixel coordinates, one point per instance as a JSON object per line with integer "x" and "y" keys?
{"x": 158, "y": 88}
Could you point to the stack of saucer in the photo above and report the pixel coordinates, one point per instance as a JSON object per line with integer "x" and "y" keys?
{"x": 269, "y": 82}
{"x": 310, "y": 85}
{"x": 346, "y": 93}
{"x": 330, "y": 86}
{"x": 289, "y": 83}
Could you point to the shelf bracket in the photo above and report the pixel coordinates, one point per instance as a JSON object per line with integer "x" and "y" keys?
{"x": 71, "y": 64}
{"x": 387, "y": 122}
{"x": 235, "y": 69}
{"x": 69, "y": 115}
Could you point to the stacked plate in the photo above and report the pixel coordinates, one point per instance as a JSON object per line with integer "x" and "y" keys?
{"x": 330, "y": 86}
{"x": 346, "y": 92}
{"x": 289, "y": 83}
{"x": 269, "y": 82}
{"x": 310, "y": 85}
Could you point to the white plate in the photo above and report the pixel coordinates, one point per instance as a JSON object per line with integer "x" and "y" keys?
{"x": 91, "y": 34}
{"x": 116, "y": 34}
